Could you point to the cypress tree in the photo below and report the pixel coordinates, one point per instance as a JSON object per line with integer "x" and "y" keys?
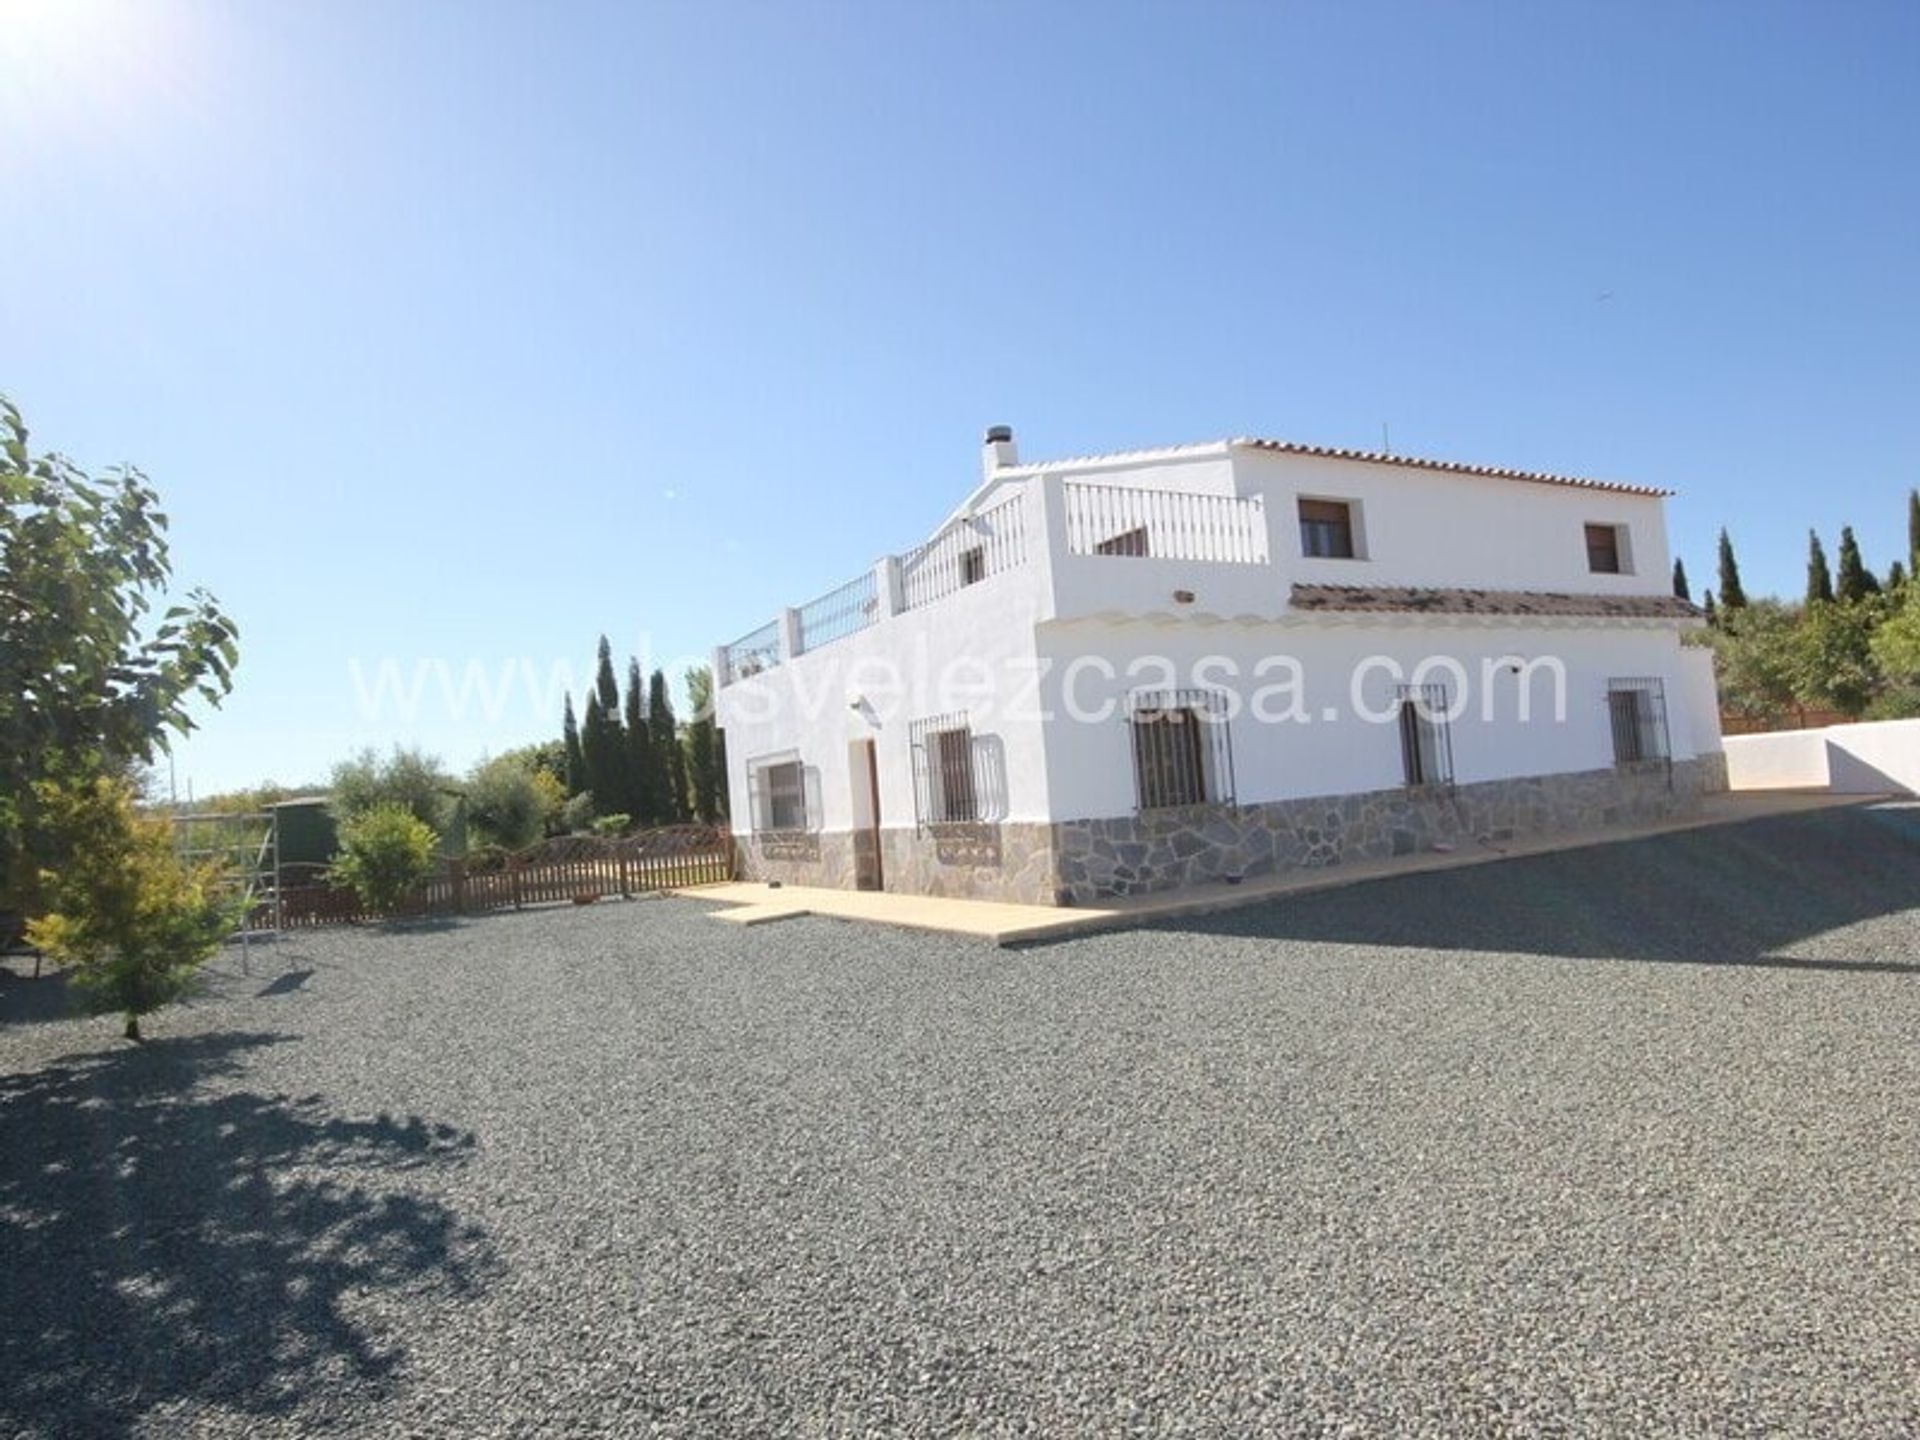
{"x": 1855, "y": 581}
{"x": 601, "y": 742}
{"x": 642, "y": 801}
{"x": 1712, "y": 610}
{"x": 669, "y": 761}
{"x": 576, "y": 764}
{"x": 704, "y": 779}
{"x": 1819, "y": 580}
{"x": 1913, "y": 532}
{"x": 1732, "y": 597}
{"x": 1896, "y": 576}
{"x": 1680, "y": 586}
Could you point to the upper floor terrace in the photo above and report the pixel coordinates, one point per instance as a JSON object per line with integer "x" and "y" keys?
{"x": 1251, "y": 530}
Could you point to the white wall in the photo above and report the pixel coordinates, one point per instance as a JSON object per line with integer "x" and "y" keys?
{"x": 1341, "y": 752}
{"x": 1871, "y": 759}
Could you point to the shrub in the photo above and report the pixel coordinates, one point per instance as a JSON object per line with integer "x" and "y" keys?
{"x": 133, "y": 920}
{"x": 612, "y": 824}
{"x": 385, "y": 854}
{"x": 576, "y": 816}
{"x": 506, "y": 804}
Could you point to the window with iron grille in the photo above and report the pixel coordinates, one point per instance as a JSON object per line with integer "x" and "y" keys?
{"x": 945, "y": 790}
{"x": 1182, "y": 750}
{"x": 1127, "y": 542}
{"x": 1426, "y": 734}
{"x": 1326, "y": 529}
{"x": 973, "y": 565}
{"x": 1603, "y": 549}
{"x": 1638, "y": 710}
{"x": 777, "y": 794}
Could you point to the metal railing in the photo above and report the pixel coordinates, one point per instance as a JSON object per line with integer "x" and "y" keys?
{"x": 754, "y": 652}
{"x": 965, "y": 553}
{"x": 1123, "y": 520}
{"x": 839, "y": 613}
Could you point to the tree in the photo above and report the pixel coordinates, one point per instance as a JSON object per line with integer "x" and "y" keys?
{"x": 645, "y": 794}
{"x": 385, "y": 854}
{"x": 670, "y": 761}
{"x": 575, "y": 774}
{"x": 1819, "y": 580}
{"x": 1854, "y": 581}
{"x": 1680, "y": 586}
{"x": 1896, "y": 577}
{"x": 1755, "y": 659}
{"x": 1711, "y": 610}
{"x": 506, "y": 803}
{"x": 1913, "y": 532}
{"x": 1833, "y": 662}
{"x": 705, "y": 779}
{"x": 89, "y": 685}
{"x": 411, "y": 779}
{"x": 602, "y": 745}
{"x": 1732, "y": 596}
{"x": 1896, "y": 644}
{"x": 124, "y": 910}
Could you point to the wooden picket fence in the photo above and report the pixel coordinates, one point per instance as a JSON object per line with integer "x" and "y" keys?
{"x": 574, "y": 868}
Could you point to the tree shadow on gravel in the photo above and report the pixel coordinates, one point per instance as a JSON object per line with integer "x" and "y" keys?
{"x": 1748, "y": 893}
{"x": 166, "y": 1241}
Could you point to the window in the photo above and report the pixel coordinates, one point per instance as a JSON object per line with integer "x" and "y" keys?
{"x": 944, "y": 788}
{"x": 1637, "y": 709}
{"x": 778, "y": 795}
{"x": 1426, "y": 738}
{"x": 1182, "y": 753}
{"x": 1603, "y": 550}
{"x": 973, "y": 565}
{"x": 1127, "y": 542}
{"x": 1326, "y": 529}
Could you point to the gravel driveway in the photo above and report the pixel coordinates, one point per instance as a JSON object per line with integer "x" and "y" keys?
{"x": 1621, "y": 1140}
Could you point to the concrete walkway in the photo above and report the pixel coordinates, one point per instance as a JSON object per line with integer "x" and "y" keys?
{"x": 1010, "y": 924}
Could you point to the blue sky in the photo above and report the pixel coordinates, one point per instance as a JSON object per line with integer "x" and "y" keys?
{"x": 455, "y": 334}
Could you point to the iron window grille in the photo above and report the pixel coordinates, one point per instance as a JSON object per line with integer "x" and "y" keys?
{"x": 1182, "y": 748}
{"x": 1637, "y": 708}
{"x": 1426, "y": 735}
{"x": 777, "y": 795}
{"x": 945, "y": 785}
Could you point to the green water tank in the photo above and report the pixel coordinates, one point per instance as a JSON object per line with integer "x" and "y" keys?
{"x": 307, "y": 832}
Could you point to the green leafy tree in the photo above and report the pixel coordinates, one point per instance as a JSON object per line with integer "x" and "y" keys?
{"x": 386, "y": 853}
{"x": 1680, "y": 587}
{"x": 706, "y": 781}
{"x": 645, "y": 794}
{"x": 1755, "y": 659}
{"x": 1854, "y": 581}
{"x": 1896, "y": 644}
{"x": 1834, "y": 665}
{"x": 124, "y": 910}
{"x": 1819, "y": 578}
{"x": 575, "y": 774}
{"x": 1732, "y": 596}
{"x": 411, "y": 779}
{"x": 1913, "y": 532}
{"x": 506, "y": 803}
{"x": 91, "y": 682}
{"x": 670, "y": 760}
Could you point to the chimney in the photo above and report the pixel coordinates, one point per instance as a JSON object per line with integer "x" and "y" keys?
{"x": 998, "y": 453}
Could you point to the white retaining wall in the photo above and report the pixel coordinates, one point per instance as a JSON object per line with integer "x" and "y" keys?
{"x": 1870, "y": 759}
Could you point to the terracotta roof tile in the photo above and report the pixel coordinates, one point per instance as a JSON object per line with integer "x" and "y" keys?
{"x": 1414, "y": 600}
{"x": 1497, "y": 472}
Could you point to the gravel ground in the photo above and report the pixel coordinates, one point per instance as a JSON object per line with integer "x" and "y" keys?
{"x": 1619, "y": 1141}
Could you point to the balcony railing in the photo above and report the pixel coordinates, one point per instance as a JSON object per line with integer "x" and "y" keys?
{"x": 1123, "y": 520}
{"x": 839, "y": 613}
{"x": 965, "y": 553}
{"x": 752, "y": 653}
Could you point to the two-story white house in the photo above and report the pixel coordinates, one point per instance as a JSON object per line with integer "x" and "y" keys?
{"x": 1131, "y": 672}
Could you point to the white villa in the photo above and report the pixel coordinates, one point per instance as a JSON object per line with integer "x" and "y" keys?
{"x": 1177, "y": 667}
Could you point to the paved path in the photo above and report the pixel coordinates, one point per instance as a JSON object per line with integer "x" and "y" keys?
{"x": 757, "y": 903}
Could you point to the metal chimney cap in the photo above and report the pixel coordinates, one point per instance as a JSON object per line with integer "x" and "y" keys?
{"x": 999, "y": 434}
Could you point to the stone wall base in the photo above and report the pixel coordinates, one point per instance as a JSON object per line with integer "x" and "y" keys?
{"x": 1078, "y": 862}
{"x": 1168, "y": 849}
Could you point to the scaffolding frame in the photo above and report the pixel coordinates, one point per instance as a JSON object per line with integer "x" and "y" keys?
{"x": 247, "y": 845}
